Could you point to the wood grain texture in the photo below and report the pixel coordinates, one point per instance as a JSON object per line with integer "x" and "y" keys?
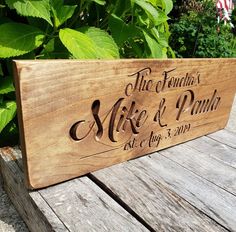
{"x": 231, "y": 125}
{"x": 83, "y": 206}
{"x": 218, "y": 151}
{"x": 150, "y": 190}
{"x": 207, "y": 165}
{"x": 147, "y": 178}
{"x": 77, "y": 205}
{"x": 225, "y": 137}
{"x": 10, "y": 221}
{"x": 81, "y": 116}
{"x": 33, "y": 209}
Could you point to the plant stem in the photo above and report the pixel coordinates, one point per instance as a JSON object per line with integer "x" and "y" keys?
{"x": 196, "y": 40}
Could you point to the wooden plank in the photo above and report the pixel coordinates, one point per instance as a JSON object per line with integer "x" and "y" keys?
{"x": 156, "y": 189}
{"x": 225, "y": 137}
{"x": 31, "y": 206}
{"x": 204, "y": 165}
{"x": 83, "y": 206}
{"x": 231, "y": 125}
{"x": 77, "y": 205}
{"x": 10, "y": 221}
{"x": 86, "y": 115}
{"x": 220, "y": 152}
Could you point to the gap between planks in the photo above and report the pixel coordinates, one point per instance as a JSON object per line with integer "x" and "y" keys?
{"x": 119, "y": 201}
{"x": 219, "y": 210}
{"x": 99, "y": 211}
{"x": 178, "y": 156}
{"x": 229, "y": 137}
{"x": 129, "y": 209}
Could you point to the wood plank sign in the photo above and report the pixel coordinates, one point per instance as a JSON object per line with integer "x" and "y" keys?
{"x": 80, "y": 116}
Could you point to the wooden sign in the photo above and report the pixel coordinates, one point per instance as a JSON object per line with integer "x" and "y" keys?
{"x": 80, "y": 116}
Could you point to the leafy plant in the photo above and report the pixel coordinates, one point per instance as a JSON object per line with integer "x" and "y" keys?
{"x": 195, "y": 34}
{"x": 233, "y": 20}
{"x": 85, "y": 29}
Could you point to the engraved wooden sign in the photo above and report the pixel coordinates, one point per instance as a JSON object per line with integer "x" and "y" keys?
{"x": 81, "y": 116}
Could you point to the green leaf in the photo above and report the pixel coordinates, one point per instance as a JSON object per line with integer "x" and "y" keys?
{"x": 156, "y": 15}
{"x": 103, "y": 41}
{"x": 78, "y": 44}
{"x": 100, "y": 2}
{"x": 88, "y": 45}
{"x": 38, "y": 23}
{"x": 1, "y": 99}
{"x": 9, "y": 135}
{"x": 7, "y": 113}
{"x": 132, "y": 3}
{"x": 19, "y": 39}
{"x": 47, "y": 52}
{"x": 54, "y": 49}
{"x": 160, "y": 37}
{"x": 6, "y": 85}
{"x": 172, "y": 53}
{"x": 168, "y": 6}
{"x": 148, "y": 8}
{"x": 121, "y": 8}
{"x": 61, "y": 12}
{"x": 121, "y": 31}
{"x": 155, "y": 33}
{"x": 155, "y": 48}
{"x": 34, "y": 8}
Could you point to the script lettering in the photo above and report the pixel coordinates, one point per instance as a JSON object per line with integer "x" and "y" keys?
{"x": 126, "y": 117}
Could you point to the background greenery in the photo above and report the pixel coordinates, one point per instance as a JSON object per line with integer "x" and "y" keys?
{"x": 98, "y": 29}
{"x": 195, "y": 32}
{"x": 82, "y": 29}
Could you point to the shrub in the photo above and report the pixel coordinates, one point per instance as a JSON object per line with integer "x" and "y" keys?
{"x": 195, "y": 33}
{"x": 85, "y": 29}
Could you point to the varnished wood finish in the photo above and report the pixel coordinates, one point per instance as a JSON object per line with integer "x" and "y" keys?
{"x": 60, "y": 102}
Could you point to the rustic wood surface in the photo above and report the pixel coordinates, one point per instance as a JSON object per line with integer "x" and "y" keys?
{"x": 147, "y": 173}
{"x": 189, "y": 187}
{"x": 80, "y": 116}
{"x": 231, "y": 125}
{"x": 145, "y": 191}
{"x": 215, "y": 166}
{"x": 229, "y": 137}
{"x": 78, "y": 204}
{"x": 31, "y": 206}
{"x": 10, "y": 221}
{"x": 81, "y": 204}
{"x": 221, "y": 152}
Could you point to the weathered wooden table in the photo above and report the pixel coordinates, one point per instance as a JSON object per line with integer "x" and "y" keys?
{"x": 188, "y": 187}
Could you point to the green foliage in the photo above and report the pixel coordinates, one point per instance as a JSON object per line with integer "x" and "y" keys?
{"x": 34, "y": 8}
{"x": 104, "y": 44}
{"x": 89, "y": 43}
{"x": 195, "y": 33}
{"x": 17, "y": 39}
{"x": 85, "y": 29}
{"x": 7, "y": 113}
{"x": 168, "y": 5}
{"x": 6, "y": 86}
{"x": 61, "y": 12}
